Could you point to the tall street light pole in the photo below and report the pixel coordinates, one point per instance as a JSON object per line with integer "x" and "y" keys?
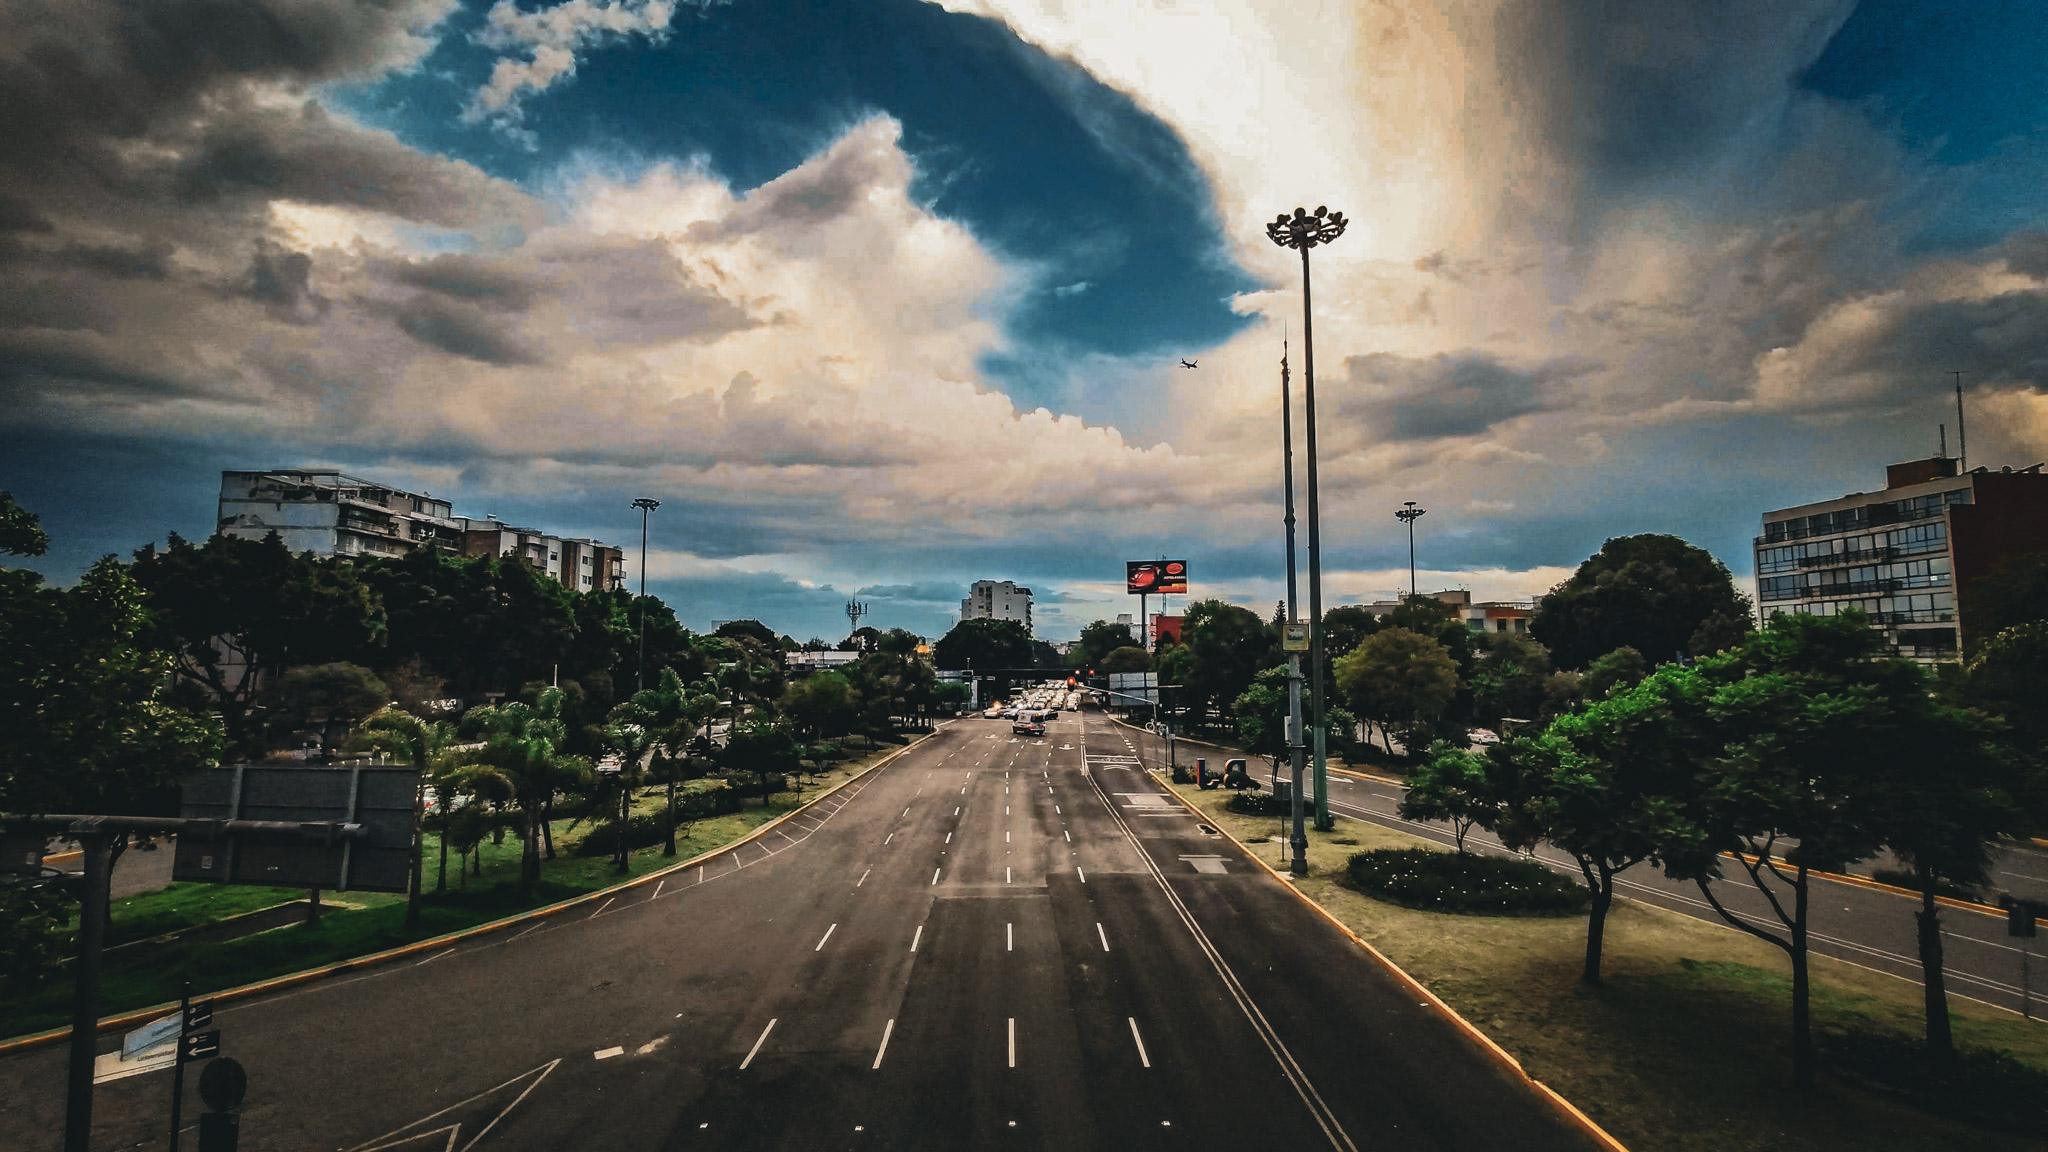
{"x": 1409, "y": 514}
{"x": 1303, "y": 231}
{"x": 645, "y": 505}
{"x": 1299, "y": 840}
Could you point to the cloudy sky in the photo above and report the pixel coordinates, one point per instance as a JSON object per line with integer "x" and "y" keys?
{"x": 880, "y": 297}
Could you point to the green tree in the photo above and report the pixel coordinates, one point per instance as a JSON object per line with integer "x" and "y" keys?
{"x": 1508, "y": 676}
{"x": 1124, "y": 660}
{"x": 821, "y": 704}
{"x": 1649, "y": 592}
{"x": 672, "y": 710}
{"x": 986, "y": 645}
{"x": 1260, "y": 715}
{"x": 1455, "y": 786}
{"x": 1098, "y": 640}
{"x": 2013, "y": 594}
{"x": 1804, "y": 723}
{"x": 1622, "y": 668}
{"x": 325, "y": 699}
{"x": 1345, "y": 627}
{"x": 21, "y": 531}
{"x": 422, "y": 744}
{"x": 749, "y": 630}
{"x": 765, "y": 749}
{"x": 1397, "y": 676}
{"x": 628, "y": 748}
{"x": 523, "y": 748}
{"x": 1227, "y": 647}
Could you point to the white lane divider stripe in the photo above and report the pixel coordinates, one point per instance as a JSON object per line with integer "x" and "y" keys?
{"x": 1068, "y": 835}
{"x": 603, "y": 906}
{"x": 1102, "y": 936}
{"x": 657, "y": 889}
{"x": 1081, "y": 874}
{"x": 1013, "y": 1041}
{"x": 891, "y": 1027}
{"x": 835, "y": 928}
{"x": 1136, "y": 1039}
{"x": 949, "y": 837}
{"x": 906, "y": 811}
{"x": 916, "y": 936}
{"x": 1009, "y": 937}
{"x": 607, "y": 1053}
{"x": 1006, "y": 875}
{"x": 935, "y": 877}
{"x": 756, "y": 1049}
{"x": 886, "y": 839}
{"x": 863, "y": 878}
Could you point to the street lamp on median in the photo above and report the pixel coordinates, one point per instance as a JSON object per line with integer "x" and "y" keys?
{"x": 1302, "y": 231}
{"x": 1298, "y": 841}
{"x": 646, "y": 505}
{"x": 1409, "y": 514}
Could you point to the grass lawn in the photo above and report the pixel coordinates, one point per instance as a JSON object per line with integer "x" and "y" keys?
{"x": 371, "y": 921}
{"x": 1686, "y": 1046}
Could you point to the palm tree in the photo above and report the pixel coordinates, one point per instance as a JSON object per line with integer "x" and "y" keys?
{"x": 522, "y": 745}
{"x": 419, "y": 743}
{"x": 670, "y": 712}
{"x": 632, "y": 744}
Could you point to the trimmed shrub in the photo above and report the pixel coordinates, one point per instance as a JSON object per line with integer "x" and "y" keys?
{"x": 1455, "y": 882}
{"x": 642, "y": 831}
{"x": 1256, "y": 804}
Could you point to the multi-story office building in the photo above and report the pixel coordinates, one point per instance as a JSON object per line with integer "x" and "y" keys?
{"x": 1907, "y": 555}
{"x": 997, "y": 600}
{"x": 330, "y": 513}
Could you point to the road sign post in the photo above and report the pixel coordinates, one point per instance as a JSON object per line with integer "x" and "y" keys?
{"x": 222, "y": 1086}
{"x": 2020, "y": 916}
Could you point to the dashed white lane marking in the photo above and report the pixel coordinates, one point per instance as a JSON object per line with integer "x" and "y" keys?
{"x": 700, "y": 873}
{"x": 1006, "y": 809}
{"x": 835, "y": 928}
{"x": 657, "y": 888}
{"x": 1140, "y": 1042}
{"x": 956, "y": 811}
{"x": 756, "y": 1049}
{"x": 1006, "y": 836}
{"x": 863, "y": 878}
{"x": 1013, "y": 1041}
{"x": 906, "y": 811}
{"x": 1056, "y": 810}
{"x": 949, "y": 837}
{"x": 1081, "y": 874}
{"x": 608, "y": 1053}
{"x": 1006, "y": 875}
{"x": 438, "y": 955}
{"x": 916, "y": 936}
{"x": 1009, "y": 937}
{"x": 1068, "y": 835}
{"x": 603, "y": 906}
{"x": 886, "y": 1030}
{"x": 535, "y": 928}
{"x": 1102, "y": 936}
{"x": 935, "y": 876}
{"x": 886, "y": 839}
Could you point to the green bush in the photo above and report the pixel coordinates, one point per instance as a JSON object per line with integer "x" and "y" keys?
{"x": 1256, "y": 804}
{"x": 1981, "y": 1087}
{"x": 642, "y": 831}
{"x": 1463, "y": 882}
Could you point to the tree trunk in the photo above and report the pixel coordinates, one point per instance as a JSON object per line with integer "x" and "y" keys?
{"x": 619, "y": 840}
{"x": 1596, "y": 925}
{"x": 417, "y": 863}
{"x": 529, "y": 850}
{"x": 547, "y": 826}
{"x": 669, "y": 849}
{"x": 441, "y": 881}
{"x": 1802, "y": 1000}
{"x": 1941, "y": 1044}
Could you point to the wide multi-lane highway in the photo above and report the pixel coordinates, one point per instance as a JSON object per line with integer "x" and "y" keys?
{"x": 992, "y": 942}
{"x": 1856, "y": 923}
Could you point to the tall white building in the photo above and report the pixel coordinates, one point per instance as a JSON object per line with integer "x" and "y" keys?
{"x": 997, "y": 600}
{"x": 331, "y": 513}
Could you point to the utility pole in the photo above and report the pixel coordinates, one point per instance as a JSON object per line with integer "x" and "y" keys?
{"x": 1303, "y": 231}
{"x": 645, "y": 505}
{"x": 1298, "y": 838}
{"x": 1409, "y": 514}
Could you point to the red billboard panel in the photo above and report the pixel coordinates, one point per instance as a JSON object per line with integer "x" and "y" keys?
{"x": 1156, "y": 577}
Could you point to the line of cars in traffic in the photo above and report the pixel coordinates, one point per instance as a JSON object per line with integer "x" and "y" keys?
{"x": 1028, "y": 713}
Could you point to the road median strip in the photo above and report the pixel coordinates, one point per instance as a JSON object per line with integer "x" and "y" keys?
{"x": 374, "y": 959}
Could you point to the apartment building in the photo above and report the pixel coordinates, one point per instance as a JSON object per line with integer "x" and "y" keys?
{"x": 997, "y": 600}
{"x": 1906, "y": 555}
{"x": 1489, "y": 616}
{"x": 331, "y": 513}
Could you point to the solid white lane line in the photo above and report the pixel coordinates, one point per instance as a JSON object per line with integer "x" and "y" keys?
{"x": 1009, "y": 937}
{"x": 1102, "y": 936}
{"x": 863, "y": 878}
{"x": 916, "y": 936}
{"x": 835, "y": 928}
{"x": 1013, "y": 1041}
{"x": 434, "y": 957}
{"x": 935, "y": 876}
{"x": 608, "y": 1053}
{"x": 1140, "y": 1042}
{"x": 756, "y": 1049}
{"x": 535, "y": 928}
{"x": 886, "y": 1029}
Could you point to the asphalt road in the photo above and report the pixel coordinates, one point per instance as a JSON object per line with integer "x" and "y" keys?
{"x": 1857, "y": 924}
{"x": 994, "y": 942}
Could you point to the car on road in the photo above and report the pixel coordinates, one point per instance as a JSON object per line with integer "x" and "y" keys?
{"x": 992, "y": 714}
{"x": 1481, "y": 736}
{"x": 1028, "y": 726}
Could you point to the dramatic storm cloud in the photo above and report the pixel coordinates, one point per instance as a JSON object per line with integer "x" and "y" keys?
{"x": 899, "y": 302}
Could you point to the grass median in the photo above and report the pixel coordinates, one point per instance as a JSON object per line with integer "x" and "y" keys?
{"x": 1686, "y": 1045}
{"x": 152, "y": 969}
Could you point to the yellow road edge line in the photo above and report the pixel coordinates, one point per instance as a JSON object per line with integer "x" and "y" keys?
{"x": 1544, "y": 1092}
{"x": 371, "y": 960}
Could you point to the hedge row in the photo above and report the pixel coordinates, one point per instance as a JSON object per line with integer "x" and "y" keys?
{"x": 1462, "y": 882}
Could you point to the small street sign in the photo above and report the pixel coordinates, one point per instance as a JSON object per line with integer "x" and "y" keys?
{"x": 158, "y": 1031}
{"x": 1294, "y": 636}
{"x": 198, "y": 1016}
{"x": 200, "y": 1045}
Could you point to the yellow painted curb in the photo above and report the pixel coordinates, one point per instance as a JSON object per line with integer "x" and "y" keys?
{"x": 370, "y": 960}
{"x": 1565, "y": 1108}
{"x": 1867, "y": 882}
